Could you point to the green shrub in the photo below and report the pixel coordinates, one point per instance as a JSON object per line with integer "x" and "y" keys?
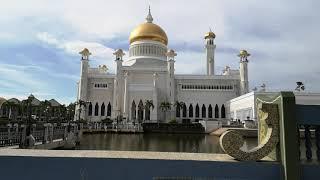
{"x": 173, "y": 121}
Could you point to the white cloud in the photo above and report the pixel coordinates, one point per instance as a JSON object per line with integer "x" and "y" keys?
{"x": 282, "y": 36}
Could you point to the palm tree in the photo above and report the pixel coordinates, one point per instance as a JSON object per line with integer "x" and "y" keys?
{"x": 179, "y": 105}
{"x": 62, "y": 112}
{"x": 148, "y": 104}
{"x": 11, "y": 106}
{"x": 165, "y": 106}
{"x": 70, "y": 111}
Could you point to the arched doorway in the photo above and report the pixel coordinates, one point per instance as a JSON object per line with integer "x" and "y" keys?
{"x": 178, "y": 111}
{"x": 90, "y": 109}
{"x": 96, "y": 109}
{"x": 109, "y": 109}
{"x": 103, "y": 109}
{"x": 140, "y": 111}
{"x": 147, "y": 112}
{"x": 184, "y": 110}
{"x": 203, "y": 111}
{"x": 190, "y": 111}
{"x": 197, "y": 111}
{"x": 210, "y": 111}
{"x": 216, "y": 111}
{"x": 133, "y": 111}
{"x": 223, "y": 111}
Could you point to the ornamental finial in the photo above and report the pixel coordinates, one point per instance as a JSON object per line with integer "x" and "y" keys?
{"x": 149, "y": 17}
{"x": 85, "y": 54}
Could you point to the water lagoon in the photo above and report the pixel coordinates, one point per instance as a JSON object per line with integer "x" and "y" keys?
{"x": 195, "y": 143}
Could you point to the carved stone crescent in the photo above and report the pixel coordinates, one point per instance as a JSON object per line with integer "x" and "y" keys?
{"x": 232, "y": 141}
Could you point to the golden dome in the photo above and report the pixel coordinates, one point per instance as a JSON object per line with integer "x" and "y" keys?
{"x": 148, "y": 31}
{"x": 209, "y": 35}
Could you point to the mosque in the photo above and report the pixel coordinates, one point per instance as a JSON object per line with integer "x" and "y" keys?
{"x": 145, "y": 87}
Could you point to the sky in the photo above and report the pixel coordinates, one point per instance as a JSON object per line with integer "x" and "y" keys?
{"x": 40, "y": 40}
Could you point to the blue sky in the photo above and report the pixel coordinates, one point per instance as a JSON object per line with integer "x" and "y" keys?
{"x": 40, "y": 40}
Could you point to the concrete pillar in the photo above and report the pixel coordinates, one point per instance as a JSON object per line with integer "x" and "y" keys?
{"x": 46, "y": 134}
{"x": 51, "y": 132}
{"x": 9, "y": 133}
{"x": 24, "y": 134}
{"x": 126, "y": 98}
{"x": 154, "y": 111}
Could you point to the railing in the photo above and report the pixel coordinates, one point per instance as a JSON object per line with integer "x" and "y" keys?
{"x": 12, "y": 136}
{"x": 309, "y": 121}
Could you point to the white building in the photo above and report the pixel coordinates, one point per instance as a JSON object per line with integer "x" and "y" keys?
{"x": 245, "y": 107}
{"x": 148, "y": 75}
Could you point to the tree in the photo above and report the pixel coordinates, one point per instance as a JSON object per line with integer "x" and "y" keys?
{"x": 62, "y": 112}
{"x": 10, "y": 105}
{"x": 70, "y": 111}
{"x": 179, "y": 105}
{"x": 165, "y": 106}
{"x": 148, "y": 104}
{"x": 45, "y": 107}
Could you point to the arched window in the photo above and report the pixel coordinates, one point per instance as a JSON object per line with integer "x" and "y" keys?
{"x": 210, "y": 111}
{"x": 197, "y": 111}
{"x": 190, "y": 110}
{"x": 178, "y": 111}
{"x": 204, "y": 111}
{"x": 103, "y": 109}
{"x": 90, "y": 109}
{"x": 109, "y": 109}
{"x": 133, "y": 110}
{"x": 223, "y": 111}
{"x": 96, "y": 109}
{"x": 216, "y": 111}
{"x": 184, "y": 111}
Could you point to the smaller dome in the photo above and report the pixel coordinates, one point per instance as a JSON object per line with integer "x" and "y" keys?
{"x": 209, "y": 35}
{"x": 244, "y": 53}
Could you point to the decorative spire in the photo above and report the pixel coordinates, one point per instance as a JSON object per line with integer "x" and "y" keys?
{"x": 243, "y": 55}
{"x": 119, "y": 54}
{"x": 149, "y": 17}
{"x": 85, "y": 53}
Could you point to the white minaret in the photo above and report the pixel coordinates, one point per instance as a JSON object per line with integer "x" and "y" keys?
{"x": 244, "y": 82}
{"x": 117, "y": 92}
{"x": 170, "y": 83}
{"x": 210, "y": 47}
{"x": 83, "y": 83}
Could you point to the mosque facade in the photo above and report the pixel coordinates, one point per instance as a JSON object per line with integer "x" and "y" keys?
{"x": 145, "y": 88}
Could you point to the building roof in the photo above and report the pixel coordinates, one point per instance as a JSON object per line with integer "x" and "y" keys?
{"x": 54, "y": 103}
{"x": 35, "y": 102}
{"x": 14, "y": 100}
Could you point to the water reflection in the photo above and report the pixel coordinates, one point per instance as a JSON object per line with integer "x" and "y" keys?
{"x": 197, "y": 143}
